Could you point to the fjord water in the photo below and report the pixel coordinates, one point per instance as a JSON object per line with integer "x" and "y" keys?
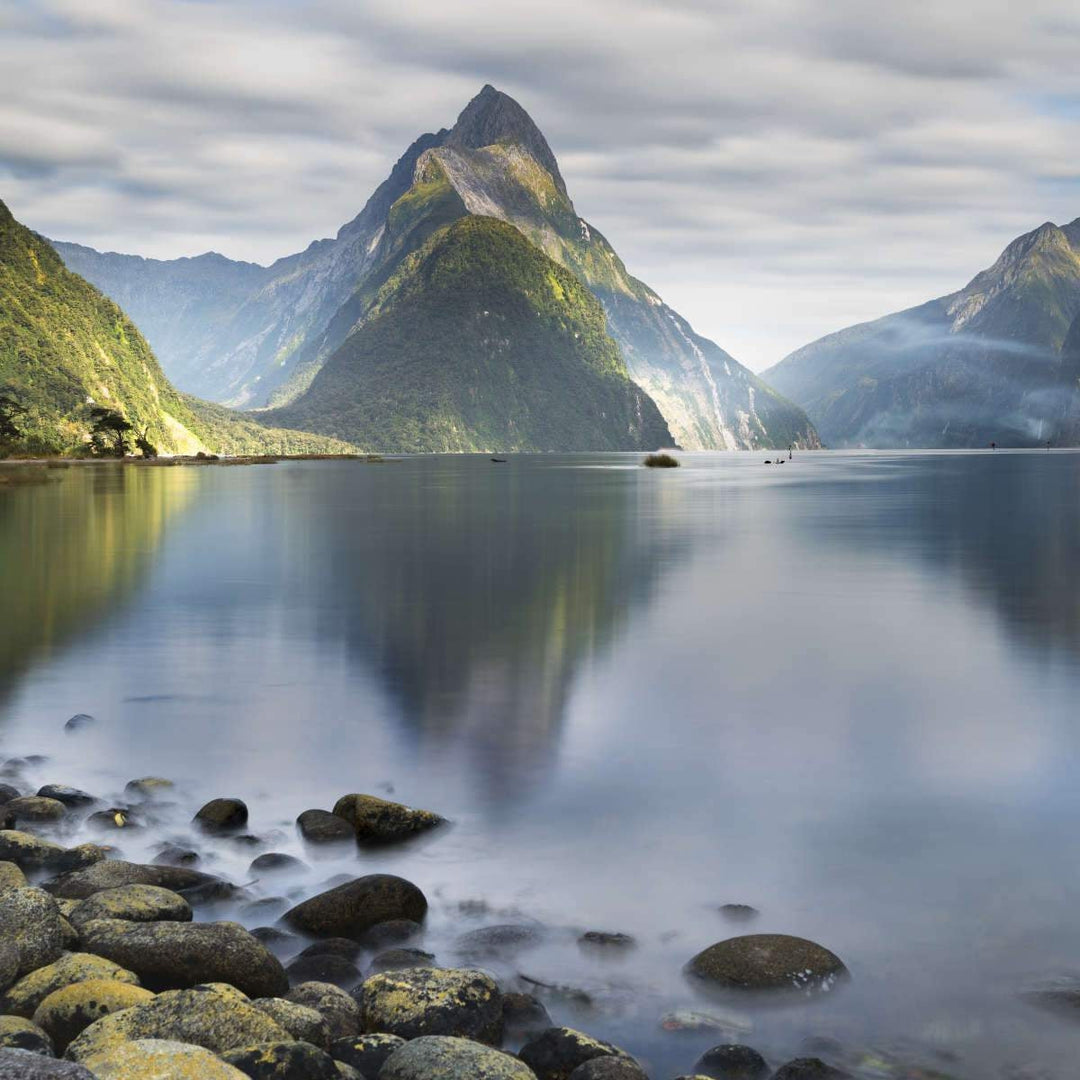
{"x": 843, "y": 690}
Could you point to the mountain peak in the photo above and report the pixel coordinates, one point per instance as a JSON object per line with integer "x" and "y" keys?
{"x": 493, "y": 117}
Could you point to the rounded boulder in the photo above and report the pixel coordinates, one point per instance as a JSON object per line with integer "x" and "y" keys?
{"x": 554, "y": 1054}
{"x": 133, "y": 903}
{"x": 433, "y": 1001}
{"x": 282, "y": 1061}
{"x": 175, "y": 955}
{"x": 378, "y": 821}
{"x": 67, "y": 1012}
{"x": 30, "y": 924}
{"x": 29, "y": 992}
{"x": 355, "y": 906}
{"x": 160, "y": 1059}
{"x": 440, "y": 1057}
{"x": 768, "y": 962}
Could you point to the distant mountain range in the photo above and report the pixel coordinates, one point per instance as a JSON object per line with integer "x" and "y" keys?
{"x": 65, "y": 348}
{"x": 330, "y": 338}
{"x": 998, "y": 361}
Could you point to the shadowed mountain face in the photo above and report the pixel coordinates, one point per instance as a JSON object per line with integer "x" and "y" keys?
{"x": 994, "y": 362}
{"x": 263, "y": 343}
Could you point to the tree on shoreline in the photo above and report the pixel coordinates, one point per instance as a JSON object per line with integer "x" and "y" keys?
{"x": 11, "y": 412}
{"x": 109, "y": 433}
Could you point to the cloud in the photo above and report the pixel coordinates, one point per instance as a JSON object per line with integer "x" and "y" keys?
{"x": 775, "y": 169}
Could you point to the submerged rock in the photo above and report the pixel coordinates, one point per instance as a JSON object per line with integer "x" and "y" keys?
{"x": 390, "y": 932}
{"x": 439, "y": 1057}
{"x": 274, "y": 862}
{"x": 67, "y": 1012}
{"x": 18, "y": 1033}
{"x": 605, "y": 941}
{"x": 133, "y": 903}
{"x": 377, "y": 821}
{"x": 365, "y": 1053}
{"x": 30, "y": 924}
{"x": 300, "y": 1021}
{"x": 175, "y": 855}
{"x": 115, "y": 817}
{"x": 322, "y": 827}
{"x": 493, "y": 941}
{"x": 769, "y": 962}
{"x": 113, "y": 873}
{"x": 337, "y": 1008}
{"x": 283, "y": 1061}
{"x": 148, "y": 787}
{"x": 218, "y": 1018}
{"x": 29, "y": 992}
{"x": 738, "y": 912}
{"x": 433, "y": 1001}
{"x": 810, "y": 1069}
{"x": 79, "y": 721}
{"x": 732, "y": 1061}
{"x": 221, "y": 815}
{"x": 171, "y": 955}
{"x": 401, "y": 960}
{"x": 25, "y": 1065}
{"x": 350, "y": 909}
{"x": 8, "y": 792}
{"x": 523, "y": 1013}
{"x": 151, "y": 1059}
{"x": 555, "y": 1053}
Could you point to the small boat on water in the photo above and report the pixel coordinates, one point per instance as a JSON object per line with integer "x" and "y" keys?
{"x": 499, "y": 460}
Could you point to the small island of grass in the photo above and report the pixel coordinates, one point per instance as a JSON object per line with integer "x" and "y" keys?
{"x": 661, "y": 461}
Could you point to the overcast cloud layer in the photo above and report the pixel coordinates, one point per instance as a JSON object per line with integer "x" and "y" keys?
{"x": 776, "y": 169}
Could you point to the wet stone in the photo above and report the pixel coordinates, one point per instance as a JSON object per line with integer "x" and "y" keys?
{"x": 494, "y": 941}
{"x": 326, "y": 968}
{"x": 7, "y": 793}
{"x": 344, "y": 947}
{"x": 28, "y": 993}
{"x": 113, "y": 873}
{"x": 222, "y": 815}
{"x": 275, "y": 862}
{"x": 322, "y": 827}
{"x": 355, "y": 906}
{"x": 33, "y": 808}
{"x": 115, "y": 817}
{"x": 160, "y": 1058}
{"x": 133, "y": 903}
{"x": 391, "y": 932}
{"x": 30, "y": 923}
{"x": 25, "y": 1065}
{"x": 738, "y": 912}
{"x": 11, "y": 877}
{"x": 609, "y": 1068}
{"x": 604, "y": 941}
{"x": 175, "y": 855}
{"x": 377, "y": 821}
{"x": 810, "y": 1069}
{"x": 523, "y": 1013}
{"x": 79, "y": 721}
{"x": 69, "y": 796}
{"x": 300, "y": 1021}
{"x": 67, "y": 1012}
{"x": 768, "y": 962}
{"x": 148, "y": 787}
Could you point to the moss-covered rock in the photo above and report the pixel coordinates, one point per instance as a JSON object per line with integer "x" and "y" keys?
{"x": 30, "y": 923}
{"x": 366, "y": 1053}
{"x": 377, "y": 821}
{"x": 34, "y": 808}
{"x": 554, "y": 1054}
{"x": 302, "y": 1022}
{"x": 29, "y": 992}
{"x": 732, "y": 1061}
{"x": 338, "y": 1009}
{"x": 28, "y": 851}
{"x": 25, "y": 1065}
{"x": 160, "y": 1059}
{"x": 610, "y": 1067}
{"x": 347, "y": 1072}
{"x": 322, "y": 827}
{"x": 9, "y": 964}
{"x": 433, "y": 1001}
{"x": 173, "y": 955}
{"x": 352, "y": 908}
{"x": 222, "y": 815}
{"x": 217, "y": 1017}
{"x": 69, "y": 935}
{"x": 115, "y": 873}
{"x": 133, "y": 903}
{"x": 769, "y": 962}
{"x": 283, "y": 1061}
{"x": 438, "y": 1057}
{"x": 11, "y": 877}
{"x": 148, "y": 787}
{"x": 18, "y": 1033}
{"x": 67, "y": 1012}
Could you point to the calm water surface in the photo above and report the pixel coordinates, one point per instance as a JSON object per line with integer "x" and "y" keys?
{"x": 844, "y": 691}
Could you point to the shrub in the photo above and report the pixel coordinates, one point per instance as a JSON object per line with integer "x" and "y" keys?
{"x": 661, "y": 461}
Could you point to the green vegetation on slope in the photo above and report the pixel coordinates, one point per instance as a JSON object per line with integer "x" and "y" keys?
{"x": 65, "y": 349}
{"x": 478, "y": 341}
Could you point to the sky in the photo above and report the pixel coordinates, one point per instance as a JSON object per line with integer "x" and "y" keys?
{"x": 775, "y": 169}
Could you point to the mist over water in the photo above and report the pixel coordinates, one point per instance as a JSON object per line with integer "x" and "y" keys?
{"x": 843, "y": 691}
